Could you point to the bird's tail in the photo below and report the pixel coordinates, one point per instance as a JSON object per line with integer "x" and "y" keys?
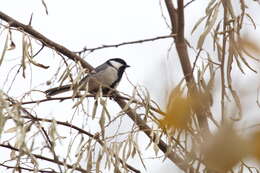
{"x": 58, "y": 90}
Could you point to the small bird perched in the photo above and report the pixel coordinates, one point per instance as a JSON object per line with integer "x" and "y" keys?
{"x": 106, "y": 76}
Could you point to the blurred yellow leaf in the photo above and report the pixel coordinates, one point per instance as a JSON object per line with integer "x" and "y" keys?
{"x": 224, "y": 150}
{"x": 178, "y": 114}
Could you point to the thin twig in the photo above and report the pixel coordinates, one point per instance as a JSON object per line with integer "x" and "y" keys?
{"x": 188, "y": 3}
{"x": 222, "y": 62}
{"x": 196, "y": 59}
{"x": 157, "y": 110}
{"x": 27, "y": 169}
{"x": 124, "y": 43}
{"x": 44, "y": 158}
{"x": 38, "y": 51}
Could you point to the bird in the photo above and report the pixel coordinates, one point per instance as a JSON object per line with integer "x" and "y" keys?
{"x": 105, "y": 76}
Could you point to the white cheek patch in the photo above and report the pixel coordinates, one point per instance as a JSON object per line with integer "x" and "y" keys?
{"x": 117, "y": 65}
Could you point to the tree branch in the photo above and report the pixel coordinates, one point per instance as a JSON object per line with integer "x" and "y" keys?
{"x": 173, "y": 15}
{"x": 157, "y": 110}
{"x": 44, "y": 158}
{"x": 45, "y": 41}
{"x": 19, "y": 168}
{"x": 177, "y": 22}
{"x": 125, "y": 43}
{"x": 181, "y": 163}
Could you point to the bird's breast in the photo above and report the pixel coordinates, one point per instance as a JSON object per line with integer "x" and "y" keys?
{"x": 103, "y": 78}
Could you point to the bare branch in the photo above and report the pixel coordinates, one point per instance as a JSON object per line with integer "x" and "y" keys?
{"x": 45, "y": 41}
{"x": 125, "y": 43}
{"x": 27, "y": 169}
{"x": 44, "y": 158}
{"x": 188, "y": 3}
{"x": 173, "y": 15}
{"x": 180, "y": 10}
{"x": 157, "y": 110}
{"x": 177, "y": 22}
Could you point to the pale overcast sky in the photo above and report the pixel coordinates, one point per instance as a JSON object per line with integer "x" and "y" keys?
{"x": 92, "y": 23}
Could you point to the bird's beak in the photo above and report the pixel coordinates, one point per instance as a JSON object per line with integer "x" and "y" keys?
{"x": 127, "y": 66}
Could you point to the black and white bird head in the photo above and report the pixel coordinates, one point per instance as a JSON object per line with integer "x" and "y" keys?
{"x": 118, "y": 64}
{"x": 110, "y": 72}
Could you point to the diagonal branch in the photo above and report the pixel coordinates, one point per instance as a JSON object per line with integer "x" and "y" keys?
{"x": 181, "y": 163}
{"x": 177, "y": 22}
{"x": 45, "y": 41}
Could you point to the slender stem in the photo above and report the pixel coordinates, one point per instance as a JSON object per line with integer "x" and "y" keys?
{"x": 222, "y": 66}
{"x": 178, "y": 26}
{"x": 125, "y": 43}
{"x": 44, "y": 158}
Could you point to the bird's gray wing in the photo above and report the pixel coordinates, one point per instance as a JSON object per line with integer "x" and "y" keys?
{"x": 90, "y": 77}
{"x": 101, "y": 67}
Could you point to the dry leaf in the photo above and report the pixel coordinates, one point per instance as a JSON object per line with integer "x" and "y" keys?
{"x": 11, "y": 130}
{"x": 209, "y": 27}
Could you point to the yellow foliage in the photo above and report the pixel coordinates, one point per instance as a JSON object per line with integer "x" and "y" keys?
{"x": 224, "y": 150}
{"x": 178, "y": 113}
{"x": 255, "y": 145}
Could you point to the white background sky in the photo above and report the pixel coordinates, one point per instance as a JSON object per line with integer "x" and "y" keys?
{"x": 91, "y": 23}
